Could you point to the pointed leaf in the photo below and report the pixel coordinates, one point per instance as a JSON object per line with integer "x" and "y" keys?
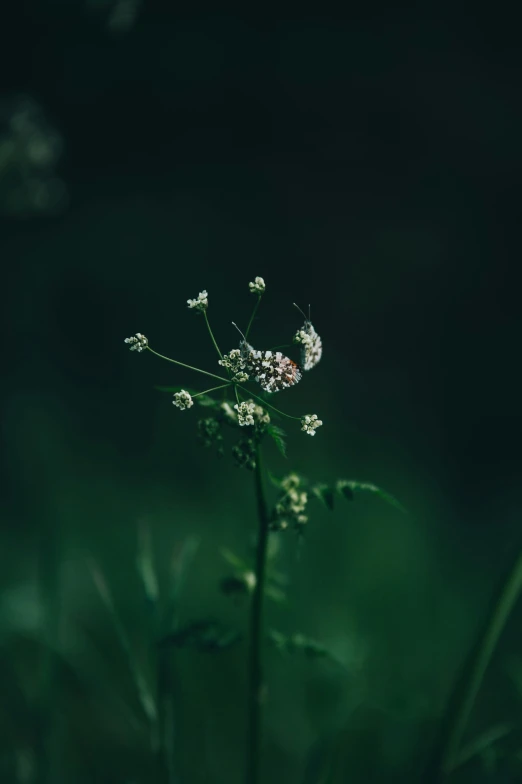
{"x": 278, "y": 435}
{"x": 325, "y": 494}
{"x": 348, "y": 488}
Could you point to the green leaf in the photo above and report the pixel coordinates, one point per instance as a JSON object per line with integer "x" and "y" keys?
{"x": 298, "y": 643}
{"x": 348, "y": 488}
{"x": 325, "y": 494}
{"x": 234, "y": 560}
{"x": 205, "y": 636}
{"x": 278, "y": 434}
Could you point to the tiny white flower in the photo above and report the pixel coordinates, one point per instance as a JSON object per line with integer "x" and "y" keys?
{"x": 258, "y": 286}
{"x": 138, "y": 342}
{"x": 241, "y": 377}
{"x": 235, "y": 362}
{"x": 201, "y": 303}
{"x": 245, "y": 412}
{"x": 182, "y": 400}
{"x": 310, "y": 423}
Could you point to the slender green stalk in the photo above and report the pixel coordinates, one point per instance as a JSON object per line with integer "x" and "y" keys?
{"x": 255, "y": 679}
{"x": 267, "y": 404}
{"x": 190, "y": 367}
{"x": 253, "y": 315}
{"x": 213, "y": 389}
{"x": 212, "y": 335}
{"x": 482, "y": 656}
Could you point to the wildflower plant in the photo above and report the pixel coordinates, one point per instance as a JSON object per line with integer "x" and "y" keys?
{"x": 249, "y": 414}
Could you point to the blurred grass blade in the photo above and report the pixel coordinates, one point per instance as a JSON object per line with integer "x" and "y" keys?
{"x": 480, "y": 744}
{"x": 468, "y": 685}
{"x": 181, "y": 563}
{"x": 144, "y": 693}
{"x": 145, "y": 563}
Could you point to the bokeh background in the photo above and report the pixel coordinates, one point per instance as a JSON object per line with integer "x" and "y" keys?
{"x": 368, "y": 164}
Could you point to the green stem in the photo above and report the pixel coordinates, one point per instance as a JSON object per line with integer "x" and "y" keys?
{"x": 253, "y": 315}
{"x": 175, "y": 361}
{"x": 263, "y": 401}
{"x": 479, "y": 663}
{"x": 213, "y": 389}
{"x": 212, "y": 335}
{"x": 255, "y": 679}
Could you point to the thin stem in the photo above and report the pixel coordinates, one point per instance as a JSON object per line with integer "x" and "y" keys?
{"x": 482, "y": 656}
{"x": 255, "y": 680}
{"x": 212, "y": 335}
{"x": 253, "y": 315}
{"x": 237, "y": 395}
{"x": 213, "y": 389}
{"x": 263, "y": 401}
{"x": 175, "y": 361}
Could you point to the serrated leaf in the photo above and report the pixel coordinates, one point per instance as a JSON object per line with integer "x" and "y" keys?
{"x": 348, "y": 488}
{"x": 278, "y": 435}
{"x": 325, "y": 494}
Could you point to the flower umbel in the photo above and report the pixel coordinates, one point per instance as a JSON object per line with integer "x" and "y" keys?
{"x": 182, "y": 400}
{"x": 138, "y": 342}
{"x": 258, "y": 286}
{"x": 201, "y": 303}
{"x": 245, "y": 413}
{"x": 310, "y": 423}
{"x": 235, "y": 362}
{"x": 291, "y": 506}
{"x": 249, "y": 413}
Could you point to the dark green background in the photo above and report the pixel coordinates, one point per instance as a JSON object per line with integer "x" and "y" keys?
{"x": 368, "y": 164}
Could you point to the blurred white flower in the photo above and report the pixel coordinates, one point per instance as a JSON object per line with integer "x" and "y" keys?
{"x": 201, "y": 303}
{"x": 245, "y": 413}
{"x": 138, "y": 342}
{"x": 258, "y": 286}
{"x": 182, "y": 400}
{"x": 310, "y": 423}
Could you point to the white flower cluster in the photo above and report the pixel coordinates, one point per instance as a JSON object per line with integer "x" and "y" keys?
{"x": 311, "y": 345}
{"x": 201, "y": 303}
{"x": 292, "y": 505}
{"x": 248, "y": 413}
{"x": 258, "y": 286}
{"x": 240, "y": 377}
{"x": 182, "y": 400}
{"x": 138, "y": 342}
{"x": 310, "y": 423}
{"x": 235, "y": 362}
